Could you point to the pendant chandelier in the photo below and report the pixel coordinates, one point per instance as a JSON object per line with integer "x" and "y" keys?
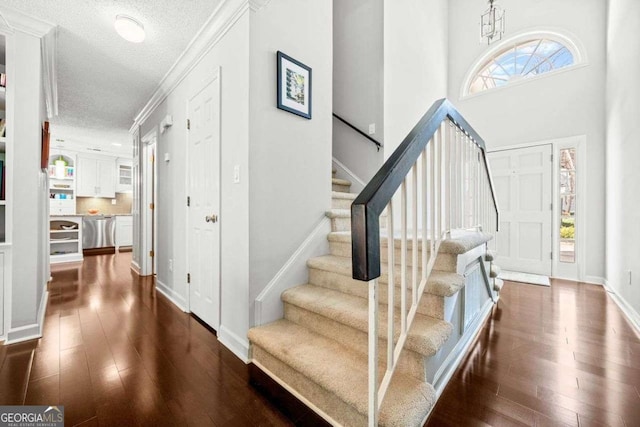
{"x": 492, "y": 23}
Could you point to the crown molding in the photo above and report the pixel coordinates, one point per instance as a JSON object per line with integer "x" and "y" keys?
{"x": 219, "y": 23}
{"x": 24, "y": 23}
{"x": 256, "y": 5}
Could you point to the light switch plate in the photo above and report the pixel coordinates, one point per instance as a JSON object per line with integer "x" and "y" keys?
{"x": 236, "y": 174}
{"x": 113, "y": 201}
{"x": 372, "y": 128}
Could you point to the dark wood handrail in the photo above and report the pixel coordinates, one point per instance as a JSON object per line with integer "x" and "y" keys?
{"x": 358, "y": 130}
{"x": 367, "y": 207}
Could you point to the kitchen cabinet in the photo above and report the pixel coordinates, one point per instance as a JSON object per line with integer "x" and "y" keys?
{"x": 124, "y": 230}
{"x": 96, "y": 176}
{"x": 65, "y": 239}
{"x": 124, "y": 176}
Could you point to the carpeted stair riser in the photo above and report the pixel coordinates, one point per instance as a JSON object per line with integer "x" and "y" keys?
{"x": 341, "y": 188}
{"x": 443, "y": 283}
{"x": 430, "y": 305}
{"x": 425, "y": 336}
{"x": 444, "y": 262}
{"x": 334, "y": 378}
{"x": 410, "y": 363}
{"x": 342, "y": 202}
{"x": 322, "y": 398}
{"x": 343, "y": 223}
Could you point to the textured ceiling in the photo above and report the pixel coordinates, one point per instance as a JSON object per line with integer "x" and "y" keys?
{"x": 103, "y": 80}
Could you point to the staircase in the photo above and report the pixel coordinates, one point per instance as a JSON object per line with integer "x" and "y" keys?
{"x": 319, "y": 349}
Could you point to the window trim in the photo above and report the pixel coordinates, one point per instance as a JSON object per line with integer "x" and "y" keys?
{"x": 568, "y": 40}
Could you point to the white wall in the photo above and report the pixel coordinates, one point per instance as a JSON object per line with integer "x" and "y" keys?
{"x": 358, "y": 83}
{"x": 231, "y": 54}
{"x": 415, "y": 64}
{"x": 552, "y": 107}
{"x": 28, "y": 198}
{"x": 289, "y": 156}
{"x": 623, "y": 150}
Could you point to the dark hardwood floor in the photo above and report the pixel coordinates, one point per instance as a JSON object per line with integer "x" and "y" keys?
{"x": 563, "y": 355}
{"x": 116, "y": 353}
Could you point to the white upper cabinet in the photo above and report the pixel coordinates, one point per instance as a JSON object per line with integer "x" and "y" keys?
{"x": 124, "y": 176}
{"x": 96, "y": 176}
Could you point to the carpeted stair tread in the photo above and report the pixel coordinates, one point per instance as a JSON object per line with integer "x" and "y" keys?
{"x": 343, "y": 195}
{"x": 495, "y": 271}
{"x": 460, "y": 243}
{"x": 490, "y": 255}
{"x": 425, "y": 337}
{"x": 343, "y": 372}
{"x": 441, "y": 283}
{"x": 340, "y": 181}
{"x": 338, "y": 213}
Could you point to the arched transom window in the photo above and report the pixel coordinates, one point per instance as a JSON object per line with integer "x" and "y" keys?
{"x": 524, "y": 59}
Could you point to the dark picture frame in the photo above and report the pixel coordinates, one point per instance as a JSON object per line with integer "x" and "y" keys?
{"x": 294, "y": 86}
{"x": 44, "y": 156}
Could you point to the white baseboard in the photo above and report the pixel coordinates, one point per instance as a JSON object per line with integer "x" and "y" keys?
{"x": 32, "y": 331}
{"x": 237, "y": 345}
{"x": 135, "y": 267}
{"x": 594, "y": 280}
{"x": 630, "y": 313}
{"x": 268, "y": 305}
{"x": 177, "y": 299}
{"x": 357, "y": 184}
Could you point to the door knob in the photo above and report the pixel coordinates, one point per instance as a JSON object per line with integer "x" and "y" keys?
{"x": 211, "y": 218}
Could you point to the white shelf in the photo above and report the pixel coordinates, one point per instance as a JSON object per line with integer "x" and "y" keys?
{"x": 53, "y": 242}
{"x": 61, "y": 179}
{"x": 63, "y": 231}
{"x": 3, "y": 202}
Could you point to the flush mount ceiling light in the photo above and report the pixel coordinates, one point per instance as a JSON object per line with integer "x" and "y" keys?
{"x": 129, "y": 29}
{"x": 492, "y": 23}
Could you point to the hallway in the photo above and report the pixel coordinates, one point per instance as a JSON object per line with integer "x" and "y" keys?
{"x": 114, "y": 352}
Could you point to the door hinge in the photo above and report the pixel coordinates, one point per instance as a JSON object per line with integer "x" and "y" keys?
{"x": 152, "y": 206}
{"x": 188, "y": 201}
{"x": 551, "y": 255}
{"x": 551, "y": 206}
{"x": 188, "y": 277}
{"x": 152, "y": 254}
{"x": 188, "y": 124}
{"x": 552, "y": 157}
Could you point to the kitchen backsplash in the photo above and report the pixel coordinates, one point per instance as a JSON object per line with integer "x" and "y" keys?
{"x": 122, "y": 206}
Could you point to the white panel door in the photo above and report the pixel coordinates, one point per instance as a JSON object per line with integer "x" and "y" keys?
{"x": 523, "y": 182}
{"x": 204, "y": 207}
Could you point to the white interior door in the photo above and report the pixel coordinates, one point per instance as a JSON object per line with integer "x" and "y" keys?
{"x": 204, "y": 206}
{"x": 523, "y": 182}
{"x": 149, "y": 209}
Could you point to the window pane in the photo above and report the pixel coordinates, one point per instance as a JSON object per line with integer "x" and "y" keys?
{"x": 526, "y": 59}
{"x": 568, "y": 205}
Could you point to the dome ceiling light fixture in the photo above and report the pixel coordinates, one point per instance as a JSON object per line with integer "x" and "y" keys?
{"x": 129, "y": 29}
{"x": 492, "y": 23}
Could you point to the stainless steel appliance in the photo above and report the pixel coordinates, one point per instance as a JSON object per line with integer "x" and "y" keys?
{"x": 98, "y": 231}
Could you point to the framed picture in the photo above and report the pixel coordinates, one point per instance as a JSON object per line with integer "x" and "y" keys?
{"x": 294, "y": 86}
{"x": 44, "y": 156}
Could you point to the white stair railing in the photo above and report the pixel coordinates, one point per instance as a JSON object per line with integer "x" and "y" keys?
{"x": 439, "y": 181}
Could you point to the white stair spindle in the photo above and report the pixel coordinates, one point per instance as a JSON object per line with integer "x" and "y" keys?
{"x": 390, "y": 285}
{"x": 414, "y": 243}
{"x": 403, "y": 259}
{"x": 373, "y": 353}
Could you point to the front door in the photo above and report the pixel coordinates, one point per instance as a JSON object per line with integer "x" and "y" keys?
{"x": 523, "y": 183}
{"x": 203, "y": 249}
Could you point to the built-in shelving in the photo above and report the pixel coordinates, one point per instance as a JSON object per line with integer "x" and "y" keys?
{"x": 65, "y": 243}
{"x": 62, "y": 183}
